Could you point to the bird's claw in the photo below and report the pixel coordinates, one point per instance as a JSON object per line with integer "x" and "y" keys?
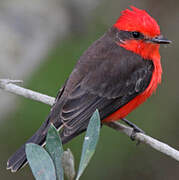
{"x": 136, "y": 129}
{"x": 133, "y": 135}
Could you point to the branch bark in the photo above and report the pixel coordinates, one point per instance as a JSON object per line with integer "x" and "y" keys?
{"x": 9, "y": 86}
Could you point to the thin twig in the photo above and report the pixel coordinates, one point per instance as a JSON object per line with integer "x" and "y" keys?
{"x": 8, "y": 85}
{"x": 154, "y": 143}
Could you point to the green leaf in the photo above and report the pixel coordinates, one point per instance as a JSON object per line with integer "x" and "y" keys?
{"x": 40, "y": 162}
{"x": 90, "y": 142}
{"x": 68, "y": 163}
{"x": 55, "y": 149}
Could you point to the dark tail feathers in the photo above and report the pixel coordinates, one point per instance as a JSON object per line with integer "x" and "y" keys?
{"x": 18, "y": 159}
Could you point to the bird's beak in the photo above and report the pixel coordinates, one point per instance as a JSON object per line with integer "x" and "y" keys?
{"x": 160, "y": 40}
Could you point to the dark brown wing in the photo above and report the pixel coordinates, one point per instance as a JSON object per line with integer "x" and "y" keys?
{"x": 105, "y": 78}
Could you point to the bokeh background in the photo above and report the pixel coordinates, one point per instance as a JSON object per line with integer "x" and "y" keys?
{"x": 40, "y": 42}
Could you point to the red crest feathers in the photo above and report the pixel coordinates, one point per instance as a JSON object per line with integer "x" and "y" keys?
{"x": 138, "y": 20}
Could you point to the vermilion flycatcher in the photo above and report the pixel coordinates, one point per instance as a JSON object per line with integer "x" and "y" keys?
{"x": 115, "y": 74}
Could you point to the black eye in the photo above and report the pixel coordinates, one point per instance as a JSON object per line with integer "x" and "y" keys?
{"x": 136, "y": 34}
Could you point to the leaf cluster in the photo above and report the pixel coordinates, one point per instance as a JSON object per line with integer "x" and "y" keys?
{"x": 52, "y": 162}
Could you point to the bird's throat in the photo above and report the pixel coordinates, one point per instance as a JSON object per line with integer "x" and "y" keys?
{"x": 147, "y": 50}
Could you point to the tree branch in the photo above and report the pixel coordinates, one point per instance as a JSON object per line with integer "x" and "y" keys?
{"x": 8, "y": 85}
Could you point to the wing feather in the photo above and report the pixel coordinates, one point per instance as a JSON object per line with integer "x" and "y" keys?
{"x": 104, "y": 79}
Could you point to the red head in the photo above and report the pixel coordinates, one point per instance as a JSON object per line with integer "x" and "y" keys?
{"x": 146, "y": 33}
{"x": 138, "y": 20}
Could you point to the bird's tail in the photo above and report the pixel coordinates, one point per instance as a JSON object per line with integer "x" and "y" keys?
{"x": 18, "y": 159}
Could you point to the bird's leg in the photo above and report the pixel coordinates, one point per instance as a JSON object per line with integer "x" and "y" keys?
{"x": 136, "y": 129}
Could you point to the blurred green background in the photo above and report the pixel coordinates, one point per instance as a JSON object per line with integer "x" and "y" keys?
{"x": 117, "y": 157}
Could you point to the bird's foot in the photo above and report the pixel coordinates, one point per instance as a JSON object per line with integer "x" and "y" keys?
{"x": 136, "y": 129}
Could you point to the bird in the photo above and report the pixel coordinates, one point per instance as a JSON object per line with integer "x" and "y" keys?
{"x": 115, "y": 75}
